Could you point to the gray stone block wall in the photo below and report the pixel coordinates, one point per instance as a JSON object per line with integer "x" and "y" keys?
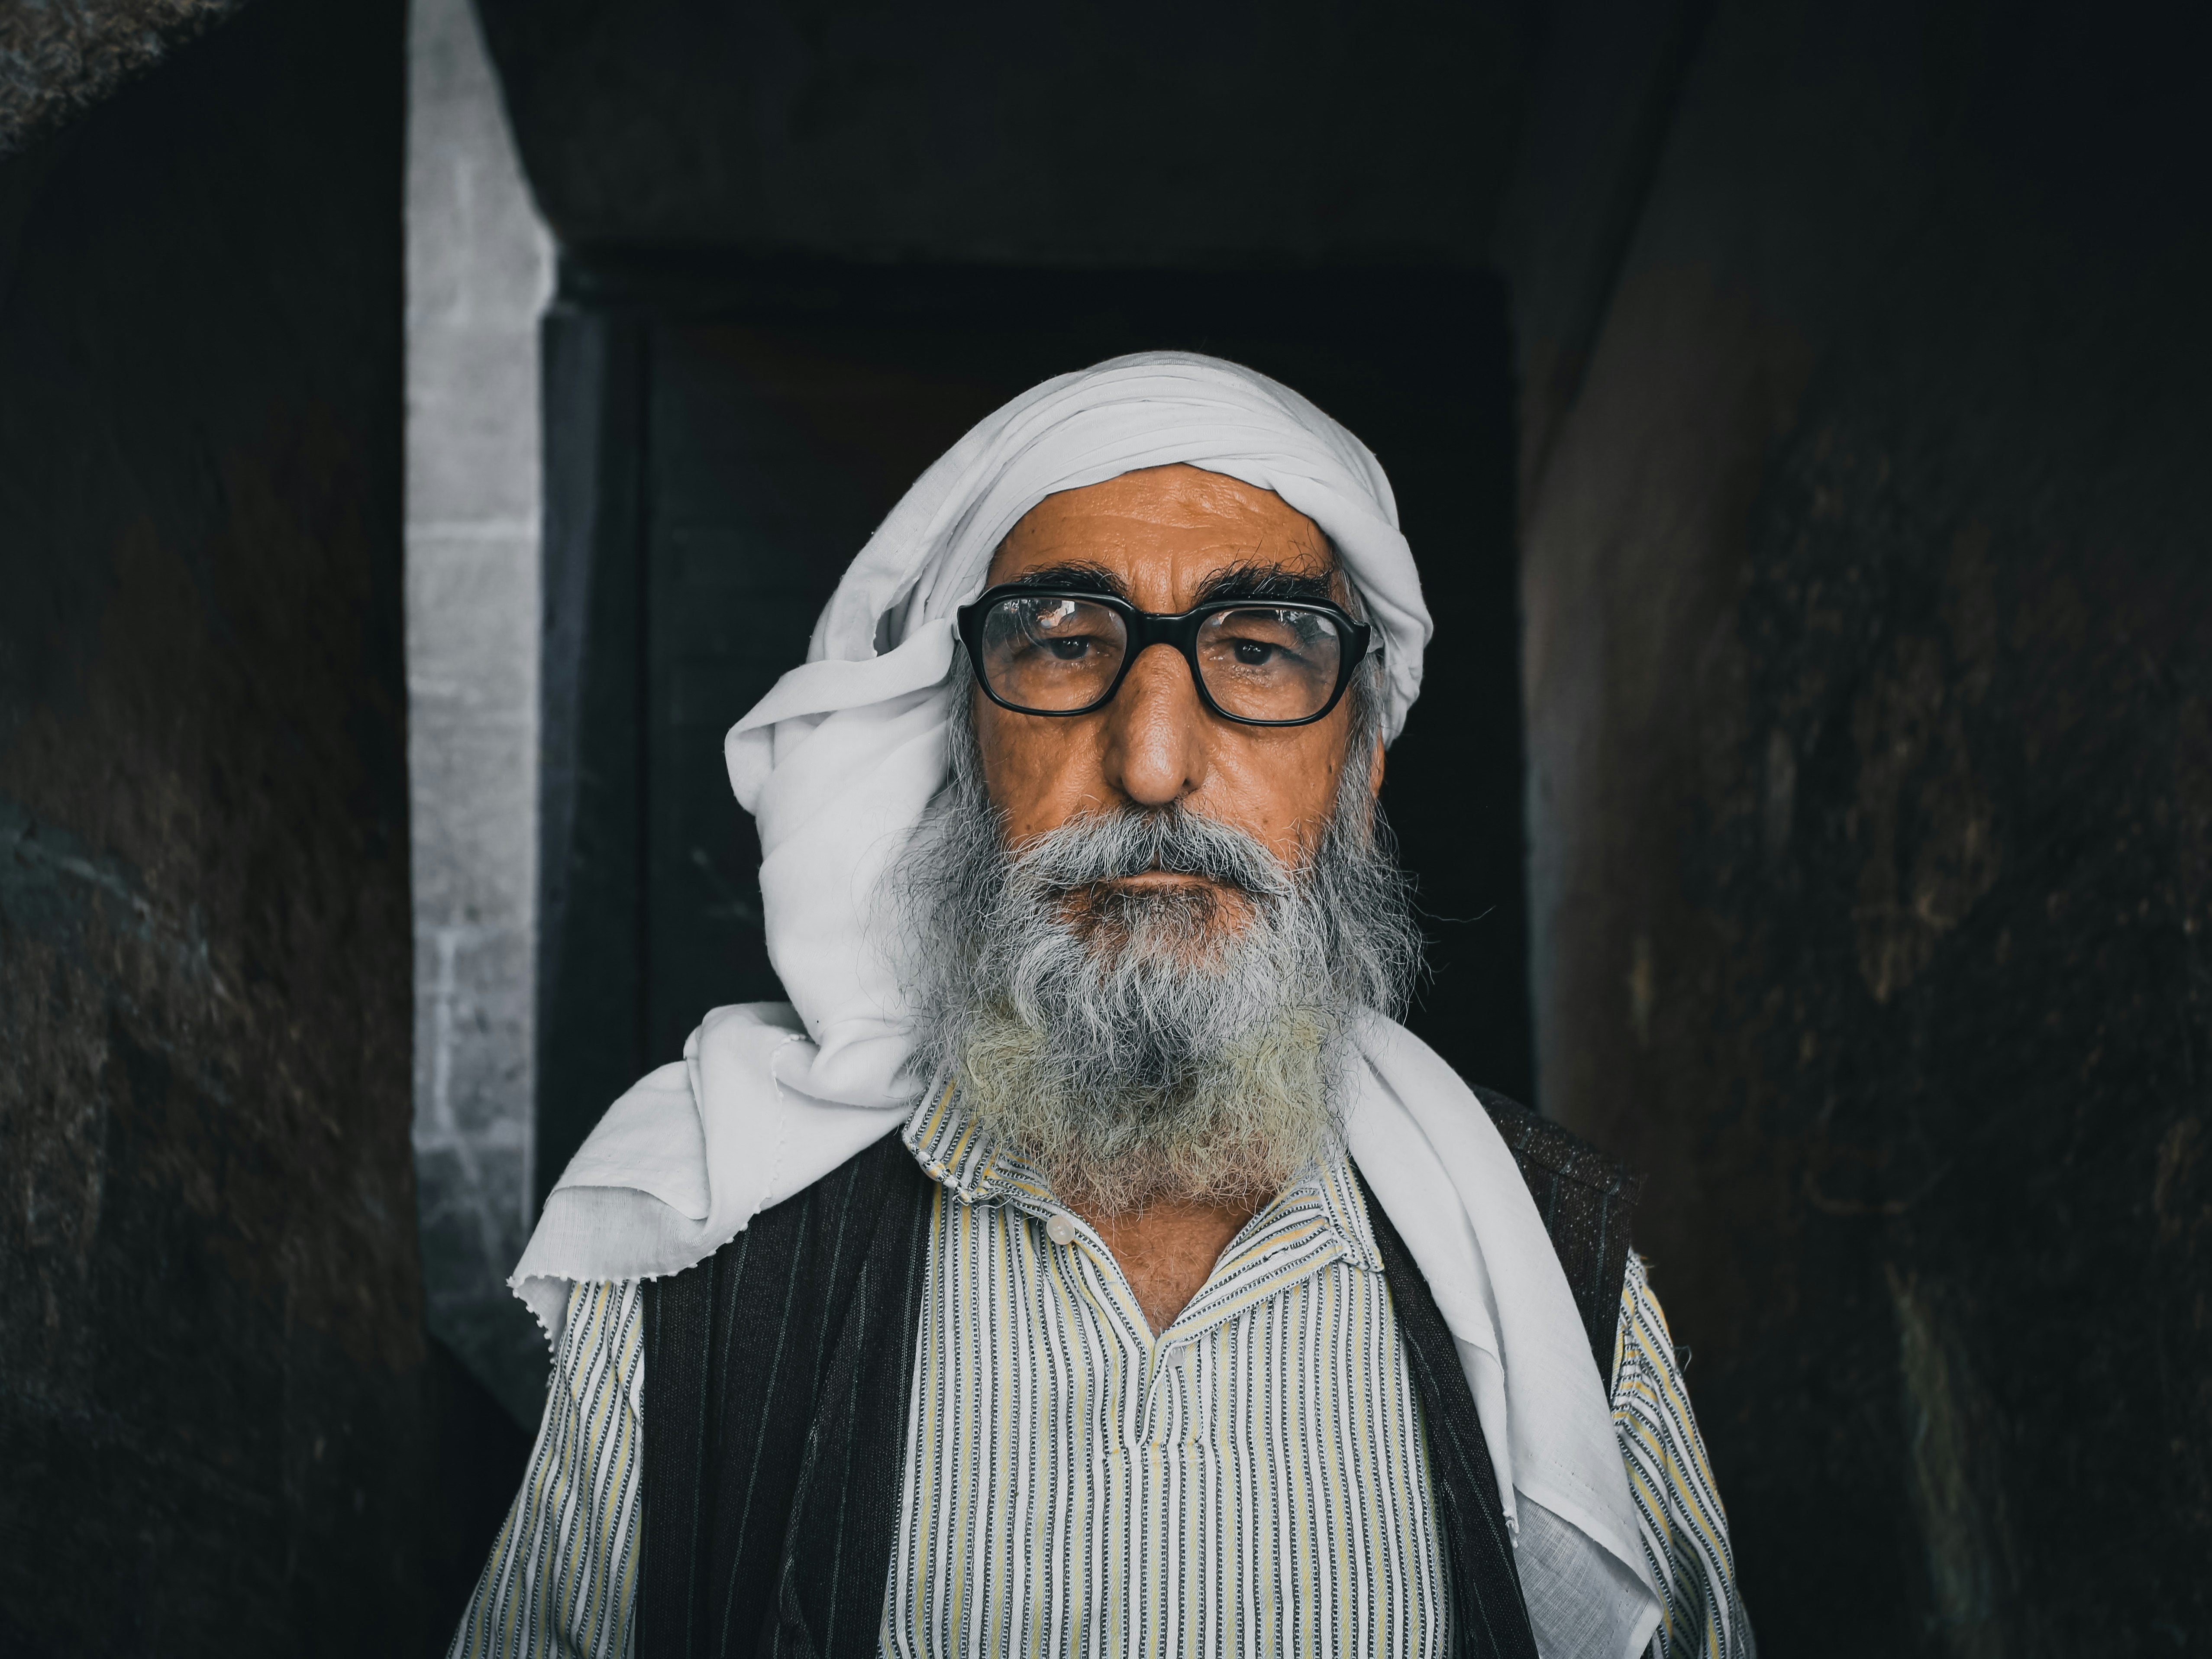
{"x": 479, "y": 268}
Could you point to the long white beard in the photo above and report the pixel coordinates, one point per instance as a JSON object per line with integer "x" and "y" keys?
{"x": 1158, "y": 1042}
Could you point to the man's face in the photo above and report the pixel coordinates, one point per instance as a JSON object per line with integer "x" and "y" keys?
{"x": 1139, "y": 936}
{"x": 1163, "y": 538}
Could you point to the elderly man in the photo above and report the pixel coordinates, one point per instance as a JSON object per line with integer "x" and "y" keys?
{"x": 1084, "y": 1260}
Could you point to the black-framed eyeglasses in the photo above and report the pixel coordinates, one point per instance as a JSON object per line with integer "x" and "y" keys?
{"x": 1264, "y": 662}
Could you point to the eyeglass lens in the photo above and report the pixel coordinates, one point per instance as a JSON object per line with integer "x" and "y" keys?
{"x": 1052, "y": 654}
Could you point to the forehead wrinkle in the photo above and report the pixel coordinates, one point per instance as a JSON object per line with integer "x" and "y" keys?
{"x": 1179, "y": 513}
{"x": 1308, "y": 572}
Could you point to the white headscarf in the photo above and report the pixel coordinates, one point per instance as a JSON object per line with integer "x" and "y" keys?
{"x": 836, "y": 765}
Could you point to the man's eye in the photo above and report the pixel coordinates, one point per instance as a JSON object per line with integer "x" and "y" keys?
{"x": 1067, "y": 650}
{"x": 1251, "y": 654}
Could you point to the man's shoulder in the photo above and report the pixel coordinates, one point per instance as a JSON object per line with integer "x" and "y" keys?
{"x": 1550, "y": 1151}
{"x": 1587, "y": 1202}
{"x": 803, "y": 1257}
{"x": 859, "y": 1191}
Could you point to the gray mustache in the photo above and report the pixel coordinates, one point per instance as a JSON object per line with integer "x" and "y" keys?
{"x": 1114, "y": 845}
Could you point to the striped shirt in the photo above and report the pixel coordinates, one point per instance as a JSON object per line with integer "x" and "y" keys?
{"x": 1678, "y": 1509}
{"x": 1076, "y": 1483}
{"x": 562, "y": 1576}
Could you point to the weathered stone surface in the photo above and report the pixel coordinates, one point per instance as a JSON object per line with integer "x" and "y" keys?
{"x": 212, "y": 1365}
{"x": 60, "y": 57}
{"x": 1869, "y": 642}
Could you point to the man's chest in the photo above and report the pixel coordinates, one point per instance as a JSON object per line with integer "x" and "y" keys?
{"x": 1255, "y": 1477}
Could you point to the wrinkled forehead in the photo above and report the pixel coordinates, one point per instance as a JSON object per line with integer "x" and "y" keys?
{"x": 1157, "y": 534}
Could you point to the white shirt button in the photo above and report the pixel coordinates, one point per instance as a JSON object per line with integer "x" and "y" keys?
{"x": 1060, "y": 1230}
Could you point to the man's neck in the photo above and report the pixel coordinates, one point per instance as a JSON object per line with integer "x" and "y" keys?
{"x": 1167, "y": 1250}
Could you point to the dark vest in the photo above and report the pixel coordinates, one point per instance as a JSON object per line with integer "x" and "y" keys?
{"x": 776, "y": 1378}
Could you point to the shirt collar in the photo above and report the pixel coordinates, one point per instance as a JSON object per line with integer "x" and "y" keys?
{"x": 979, "y": 1167}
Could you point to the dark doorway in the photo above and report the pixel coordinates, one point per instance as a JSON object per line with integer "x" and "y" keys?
{"x": 722, "y": 439}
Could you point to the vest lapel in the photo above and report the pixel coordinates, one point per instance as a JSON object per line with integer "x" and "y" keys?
{"x": 844, "y": 1516}
{"x": 1489, "y": 1619}
{"x": 775, "y": 1382}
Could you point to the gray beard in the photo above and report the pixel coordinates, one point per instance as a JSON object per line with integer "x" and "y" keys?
{"x": 1160, "y": 1044}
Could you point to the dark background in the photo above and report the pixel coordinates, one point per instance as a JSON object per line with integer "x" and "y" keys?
{"x": 1802, "y": 403}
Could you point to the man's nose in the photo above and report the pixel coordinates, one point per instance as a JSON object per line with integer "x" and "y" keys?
{"x": 1155, "y": 750}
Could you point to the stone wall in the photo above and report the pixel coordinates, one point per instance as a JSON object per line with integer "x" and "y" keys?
{"x": 1867, "y": 656}
{"x": 479, "y": 266}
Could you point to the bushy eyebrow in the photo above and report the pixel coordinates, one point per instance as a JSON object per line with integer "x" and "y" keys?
{"x": 1079, "y": 576}
{"x": 1262, "y": 584}
{"x": 1272, "y": 584}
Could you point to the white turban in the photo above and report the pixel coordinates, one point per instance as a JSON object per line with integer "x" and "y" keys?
{"x": 836, "y": 764}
